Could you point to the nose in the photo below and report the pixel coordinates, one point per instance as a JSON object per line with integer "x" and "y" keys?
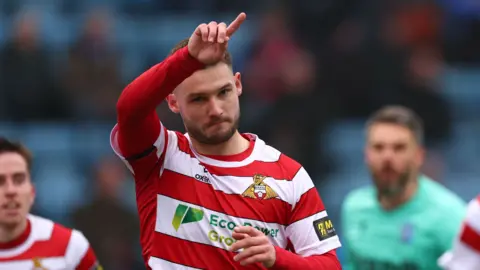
{"x": 387, "y": 155}
{"x": 10, "y": 188}
{"x": 214, "y": 108}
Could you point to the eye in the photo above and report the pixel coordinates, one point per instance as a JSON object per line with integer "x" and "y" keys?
{"x": 224, "y": 91}
{"x": 19, "y": 178}
{"x": 197, "y": 99}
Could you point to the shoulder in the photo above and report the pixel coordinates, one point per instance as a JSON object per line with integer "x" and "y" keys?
{"x": 360, "y": 198}
{"x": 56, "y": 231}
{"x": 441, "y": 197}
{"x": 289, "y": 168}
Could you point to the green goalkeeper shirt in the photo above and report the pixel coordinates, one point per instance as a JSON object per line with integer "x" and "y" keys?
{"x": 411, "y": 237}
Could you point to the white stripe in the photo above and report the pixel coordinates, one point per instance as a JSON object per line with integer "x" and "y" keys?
{"x": 183, "y": 163}
{"x": 461, "y": 258}
{"x": 305, "y": 240}
{"x": 160, "y": 264}
{"x": 41, "y": 231}
{"x": 77, "y": 248}
{"x": 214, "y": 229}
{"x": 302, "y": 183}
{"x": 116, "y": 148}
{"x": 160, "y": 142}
{"x": 473, "y": 215}
{"x": 48, "y": 263}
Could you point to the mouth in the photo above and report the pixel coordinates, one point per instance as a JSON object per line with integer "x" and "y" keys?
{"x": 216, "y": 124}
{"x": 11, "y": 206}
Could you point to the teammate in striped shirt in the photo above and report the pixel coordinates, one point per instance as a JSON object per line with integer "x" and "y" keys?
{"x": 465, "y": 254}
{"x": 30, "y": 242}
{"x": 214, "y": 198}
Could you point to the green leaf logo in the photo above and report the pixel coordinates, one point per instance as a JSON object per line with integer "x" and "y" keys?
{"x": 185, "y": 214}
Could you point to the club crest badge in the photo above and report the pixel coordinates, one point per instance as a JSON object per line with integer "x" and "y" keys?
{"x": 37, "y": 264}
{"x": 259, "y": 190}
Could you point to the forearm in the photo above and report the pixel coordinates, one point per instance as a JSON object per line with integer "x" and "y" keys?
{"x": 138, "y": 123}
{"x": 286, "y": 260}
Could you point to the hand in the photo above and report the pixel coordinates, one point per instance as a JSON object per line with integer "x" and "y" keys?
{"x": 256, "y": 247}
{"x": 208, "y": 43}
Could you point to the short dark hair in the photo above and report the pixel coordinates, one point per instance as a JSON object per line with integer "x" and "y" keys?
{"x": 399, "y": 115}
{"x": 7, "y": 146}
{"x": 227, "y": 59}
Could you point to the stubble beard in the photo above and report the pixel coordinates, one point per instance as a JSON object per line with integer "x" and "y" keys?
{"x": 395, "y": 189}
{"x": 215, "y": 139}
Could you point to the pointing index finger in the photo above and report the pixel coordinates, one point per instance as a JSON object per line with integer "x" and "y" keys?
{"x": 235, "y": 25}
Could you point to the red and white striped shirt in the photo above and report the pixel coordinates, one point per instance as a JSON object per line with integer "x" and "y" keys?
{"x": 189, "y": 203}
{"x": 465, "y": 254}
{"x": 47, "y": 245}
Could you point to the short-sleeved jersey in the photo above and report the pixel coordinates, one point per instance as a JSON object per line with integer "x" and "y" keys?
{"x": 49, "y": 246}
{"x": 189, "y": 204}
{"x": 413, "y": 236}
{"x": 465, "y": 254}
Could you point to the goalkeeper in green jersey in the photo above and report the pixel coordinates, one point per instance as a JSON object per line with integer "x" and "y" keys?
{"x": 404, "y": 220}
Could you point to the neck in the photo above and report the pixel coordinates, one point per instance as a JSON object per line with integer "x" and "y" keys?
{"x": 390, "y": 202}
{"x": 10, "y": 233}
{"x": 235, "y": 145}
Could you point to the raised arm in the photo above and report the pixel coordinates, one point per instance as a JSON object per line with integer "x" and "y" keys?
{"x": 139, "y": 130}
{"x": 138, "y": 123}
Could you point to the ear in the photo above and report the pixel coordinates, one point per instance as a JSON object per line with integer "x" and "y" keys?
{"x": 173, "y": 103}
{"x": 238, "y": 83}
{"x": 420, "y": 156}
{"x": 34, "y": 194}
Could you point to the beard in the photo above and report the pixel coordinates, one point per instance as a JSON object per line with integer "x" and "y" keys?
{"x": 391, "y": 186}
{"x": 218, "y": 137}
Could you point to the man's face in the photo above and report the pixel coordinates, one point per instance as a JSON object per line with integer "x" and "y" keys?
{"x": 16, "y": 190}
{"x": 208, "y": 103}
{"x": 392, "y": 155}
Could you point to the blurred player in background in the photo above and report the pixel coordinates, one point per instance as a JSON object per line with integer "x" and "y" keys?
{"x": 465, "y": 254}
{"x": 406, "y": 220}
{"x": 215, "y": 198}
{"x": 30, "y": 242}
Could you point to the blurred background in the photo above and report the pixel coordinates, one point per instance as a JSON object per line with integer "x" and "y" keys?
{"x": 312, "y": 70}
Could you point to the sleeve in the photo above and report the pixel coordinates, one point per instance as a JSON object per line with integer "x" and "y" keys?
{"x": 465, "y": 254}
{"x": 80, "y": 254}
{"x": 139, "y": 137}
{"x": 310, "y": 231}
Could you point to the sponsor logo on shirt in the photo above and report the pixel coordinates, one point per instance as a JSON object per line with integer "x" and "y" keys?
{"x": 324, "y": 228}
{"x": 203, "y": 177}
{"x": 407, "y": 233}
{"x": 185, "y": 214}
{"x": 259, "y": 190}
{"x": 221, "y": 222}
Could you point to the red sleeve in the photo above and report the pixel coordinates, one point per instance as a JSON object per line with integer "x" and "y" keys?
{"x": 287, "y": 260}
{"x": 89, "y": 261}
{"x": 138, "y": 123}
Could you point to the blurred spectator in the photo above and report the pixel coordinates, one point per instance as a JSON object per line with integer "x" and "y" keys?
{"x": 92, "y": 78}
{"x": 270, "y": 59}
{"x": 111, "y": 228}
{"x": 282, "y": 83}
{"x": 408, "y": 66}
{"x": 27, "y": 88}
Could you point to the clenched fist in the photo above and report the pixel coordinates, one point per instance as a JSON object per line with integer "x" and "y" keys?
{"x": 209, "y": 42}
